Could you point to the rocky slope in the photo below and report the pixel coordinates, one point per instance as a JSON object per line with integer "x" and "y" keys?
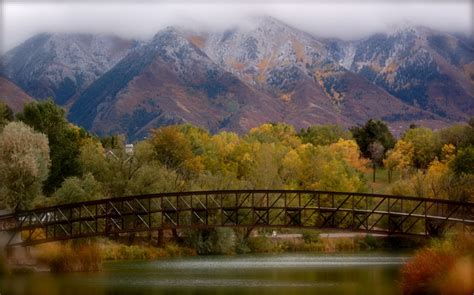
{"x": 13, "y": 95}
{"x": 170, "y": 80}
{"x": 422, "y": 67}
{"x": 62, "y": 65}
{"x": 302, "y": 72}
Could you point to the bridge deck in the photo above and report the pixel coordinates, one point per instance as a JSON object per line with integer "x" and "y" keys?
{"x": 359, "y": 212}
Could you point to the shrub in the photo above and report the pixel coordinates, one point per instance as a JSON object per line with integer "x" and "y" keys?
{"x": 444, "y": 267}
{"x": 310, "y": 236}
{"x": 69, "y": 257}
{"x": 427, "y": 267}
{"x": 212, "y": 241}
{"x": 264, "y": 245}
{"x": 370, "y": 242}
{"x": 113, "y": 251}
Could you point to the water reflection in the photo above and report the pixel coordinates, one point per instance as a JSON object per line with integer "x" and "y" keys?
{"x": 255, "y": 274}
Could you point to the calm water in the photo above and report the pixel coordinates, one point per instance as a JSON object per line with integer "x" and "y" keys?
{"x": 372, "y": 273}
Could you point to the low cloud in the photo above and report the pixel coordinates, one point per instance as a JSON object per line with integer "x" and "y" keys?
{"x": 141, "y": 20}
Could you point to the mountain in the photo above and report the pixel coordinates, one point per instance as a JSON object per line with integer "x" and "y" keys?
{"x": 236, "y": 79}
{"x": 12, "y": 95}
{"x": 422, "y": 67}
{"x": 169, "y": 80}
{"x": 299, "y": 70}
{"x": 62, "y": 65}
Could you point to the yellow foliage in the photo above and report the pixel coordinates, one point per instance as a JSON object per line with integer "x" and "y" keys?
{"x": 291, "y": 164}
{"x": 400, "y": 157}
{"x": 448, "y": 152}
{"x": 349, "y": 151}
{"x": 436, "y": 179}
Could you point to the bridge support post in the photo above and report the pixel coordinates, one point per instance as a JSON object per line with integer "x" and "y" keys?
{"x": 160, "y": 242}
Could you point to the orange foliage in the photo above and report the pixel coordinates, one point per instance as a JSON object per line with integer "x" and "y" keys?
{"x": 422, "y": 272}
{"x": 262, "y": 67}
{"x": 197, "y": 41}
{"x": 239, "y": 66}
{"x": 85, "y": 257}
{"x": 445, "y": 268}
{"x": 299, "y": 49}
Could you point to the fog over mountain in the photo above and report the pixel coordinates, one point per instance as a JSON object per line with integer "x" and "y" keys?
{"x": 142, "y": 19}
{"x": 123, "y": 68}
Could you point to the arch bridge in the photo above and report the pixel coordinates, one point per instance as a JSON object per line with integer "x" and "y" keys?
{"x": 359, "y": 212}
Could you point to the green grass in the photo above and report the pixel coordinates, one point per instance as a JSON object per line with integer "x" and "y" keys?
{"x": 381, "y": 184}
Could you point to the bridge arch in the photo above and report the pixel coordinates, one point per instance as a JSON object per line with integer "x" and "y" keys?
{"x": 360, "y": 212}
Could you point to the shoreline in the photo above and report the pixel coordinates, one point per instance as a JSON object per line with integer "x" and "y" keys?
{"x": 105, "y": 251}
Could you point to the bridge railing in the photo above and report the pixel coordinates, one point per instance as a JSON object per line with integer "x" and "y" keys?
{"x": 242, "y": 208}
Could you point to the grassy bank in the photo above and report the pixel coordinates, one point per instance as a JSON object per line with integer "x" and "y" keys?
{"x": 87, "y": 256}
{"x": 311, "y": 242}
{"x": 115, "y": 251}
{"x": 70, "y": 257}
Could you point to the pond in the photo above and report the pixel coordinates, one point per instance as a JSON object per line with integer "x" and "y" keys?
{"x": 362, "y": 273}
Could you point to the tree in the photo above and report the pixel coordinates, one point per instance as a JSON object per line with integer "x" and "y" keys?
{"x": 274, "y": 133}
{"x": 400, "y": 158}
{"x": 324, "y": 134}
{"x": 64, "y": 139}
{"x": 75, "y": 189}
{"x": 6, "y": 114}
{"x": 170, "y": 146}
{"x": 426, "y": 146}
{"x": 174, "y": 150}
{"x": 114, "y": 168}
{"x": 24, "y": 165}
{"x": 459, "y": 135}
{"x": 463, "y": 163}
{"x": 323, "y": 169}
{"x": 350, "y": 152}
{"x": 263, "y": 165}
{"x": 438, "y": 180}
{"x": 372, "y": 131}
{"x": 376, "y": 151}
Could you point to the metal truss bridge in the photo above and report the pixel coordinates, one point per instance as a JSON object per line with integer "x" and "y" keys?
{"x": 359, "y": 212}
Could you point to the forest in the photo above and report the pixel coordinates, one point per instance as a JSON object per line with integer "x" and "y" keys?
{"x": 45, "y": 160}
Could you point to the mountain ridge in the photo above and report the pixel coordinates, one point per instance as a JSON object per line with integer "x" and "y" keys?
{"x": 268, "y": 72}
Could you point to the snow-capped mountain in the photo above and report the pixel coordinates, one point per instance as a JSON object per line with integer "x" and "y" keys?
{"x": 62, "y": 65}
{"x": 244, "y": 76}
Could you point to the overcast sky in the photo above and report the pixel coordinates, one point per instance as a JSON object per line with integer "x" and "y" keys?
{"x": 340, "y": 18}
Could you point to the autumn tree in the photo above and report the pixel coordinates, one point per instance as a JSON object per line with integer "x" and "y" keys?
{"x": 274, "y": 133}
{"x": 426, "y": 145}
{"x": 173, "y": 149}
{"x": 350, "y": 152}
{"x": 263, "y": 164}
{"x": 324, "y": 134}
{"x": 399, "y": 158}
{"x": 323, "y": 169}
{"x": 24, "y": 165}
